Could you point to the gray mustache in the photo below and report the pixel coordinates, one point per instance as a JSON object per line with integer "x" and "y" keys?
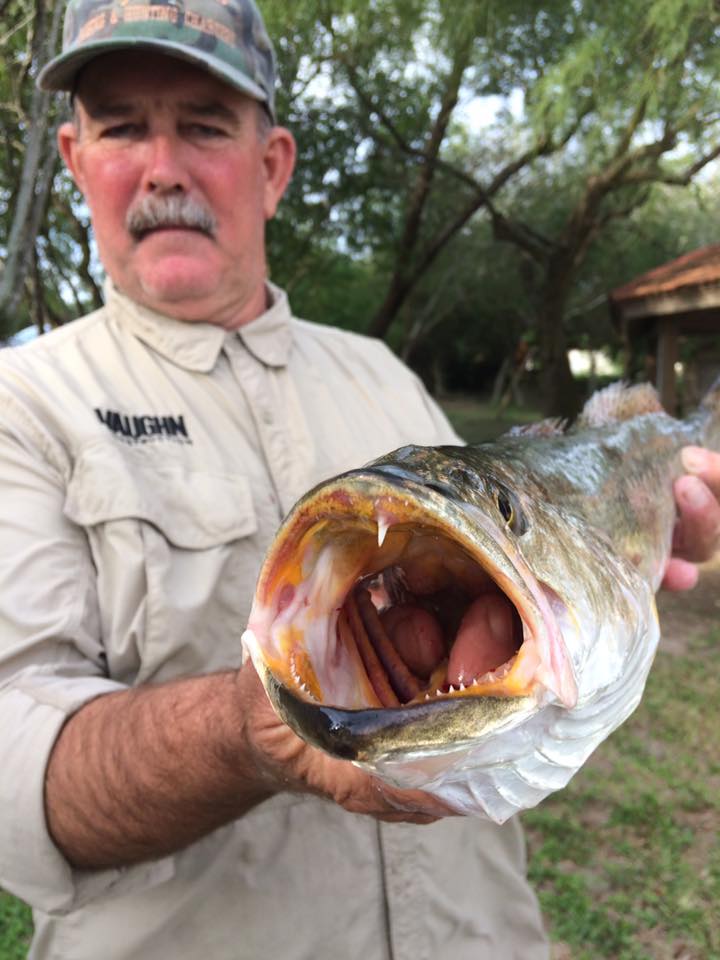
{"x": 169, "y": 211}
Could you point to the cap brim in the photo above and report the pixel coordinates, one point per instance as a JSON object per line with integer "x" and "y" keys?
{"x": 61, "y": 73}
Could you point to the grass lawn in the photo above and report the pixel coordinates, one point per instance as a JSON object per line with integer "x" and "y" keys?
{"x": 477, "y": 422}
{"x": 626, "y": 859}
{"x": 15, "y": 928}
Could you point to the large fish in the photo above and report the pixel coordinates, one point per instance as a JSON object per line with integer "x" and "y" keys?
{"x": 562, "y": 535}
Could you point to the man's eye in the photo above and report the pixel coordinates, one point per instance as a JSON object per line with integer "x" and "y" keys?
{"x": 120, "y": 130}
{"x": 205, "y": 130}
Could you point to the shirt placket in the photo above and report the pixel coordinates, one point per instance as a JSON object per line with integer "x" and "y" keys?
{"x": 277, "y": 427}
{"x": 407, "y": 908}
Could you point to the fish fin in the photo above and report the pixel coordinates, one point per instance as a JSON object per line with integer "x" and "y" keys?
{"x": 708, "y": 417}
{"x": 620, "y": 401}
{"x": 711, "y": 400}
{"x": 543, "y": 428}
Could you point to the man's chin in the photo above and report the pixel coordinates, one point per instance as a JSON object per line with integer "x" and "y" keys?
{"x": 185, "y": 292}
{"x": 179, "y": 275}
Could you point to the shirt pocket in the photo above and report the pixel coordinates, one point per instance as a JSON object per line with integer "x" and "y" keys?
{"x": 193, "y": 507}
{"x": 176, "y": 556}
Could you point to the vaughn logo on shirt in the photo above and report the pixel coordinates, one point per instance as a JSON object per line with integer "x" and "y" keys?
{"x": 144, "y": 428}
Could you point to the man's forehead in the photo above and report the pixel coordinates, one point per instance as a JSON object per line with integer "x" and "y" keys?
{"x": 125, "y": 78}
{"x": 101, "y": 107}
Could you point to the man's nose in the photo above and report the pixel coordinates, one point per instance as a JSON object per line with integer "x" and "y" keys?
{"x": 165, "y": 170}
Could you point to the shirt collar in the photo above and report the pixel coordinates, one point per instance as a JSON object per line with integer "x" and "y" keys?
{"x": 196, "y": 346}
{"x": 269, "y": 336}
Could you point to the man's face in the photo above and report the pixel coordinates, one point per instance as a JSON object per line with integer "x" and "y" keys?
{"x": 180, "y": 178}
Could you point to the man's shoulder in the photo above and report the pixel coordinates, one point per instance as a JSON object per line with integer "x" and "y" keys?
{"x": 349, "y": 344}
{"x": 345, "y": 359}
{"x": 50, "y": 346}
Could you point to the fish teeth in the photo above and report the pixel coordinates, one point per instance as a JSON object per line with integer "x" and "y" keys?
{"x": 495, "y": 675}
{"x": 383, "y": 525}
{"x": 304, "y": 689}
{"x": 462, "y": 686}
{"x": 452, "y": 689}
{"x": 296, "y": 676}
{"x": 299, "y": 682}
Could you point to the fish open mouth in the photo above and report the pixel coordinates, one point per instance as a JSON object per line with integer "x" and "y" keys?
{"x": 377, "y": 596}
{"x": 413, "y": 625}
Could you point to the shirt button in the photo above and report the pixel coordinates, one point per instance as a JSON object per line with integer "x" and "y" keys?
{"x": 266, "y": 416}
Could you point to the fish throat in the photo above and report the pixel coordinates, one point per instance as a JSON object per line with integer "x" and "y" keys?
{"x": 378, "y": 598}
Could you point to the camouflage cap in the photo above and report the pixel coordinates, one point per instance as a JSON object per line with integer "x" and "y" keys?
{"x": 226, "y": 37}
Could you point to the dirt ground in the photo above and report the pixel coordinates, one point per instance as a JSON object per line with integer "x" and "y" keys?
{"x": 684, "y": 616}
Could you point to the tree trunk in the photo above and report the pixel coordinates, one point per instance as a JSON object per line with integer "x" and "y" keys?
{"x": 560, "y": 391}
{"x": 403, "y": 280}
{"x": 35, "y": 178}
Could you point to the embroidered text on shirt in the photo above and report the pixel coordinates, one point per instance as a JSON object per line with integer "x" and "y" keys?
{"x": 144, "y": 428}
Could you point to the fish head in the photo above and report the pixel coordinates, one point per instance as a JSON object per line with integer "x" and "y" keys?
{"x": 449, "y": 531}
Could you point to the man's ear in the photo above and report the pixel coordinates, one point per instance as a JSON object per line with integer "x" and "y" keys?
{"x": 67, "y": 139}
{"x": 280, "y": 152}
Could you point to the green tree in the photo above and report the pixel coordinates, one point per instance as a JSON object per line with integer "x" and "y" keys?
{"x": 406, "y": 217}
{"x": 613, "y": 99}
{"x": 45, "y": 249}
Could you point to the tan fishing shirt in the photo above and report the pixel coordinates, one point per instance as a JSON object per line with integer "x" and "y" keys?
{"x": 145, "y": 464}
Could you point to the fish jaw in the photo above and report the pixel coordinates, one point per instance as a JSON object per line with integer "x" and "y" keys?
{"x": 343, "y": 533}
{"x": 416, "y": 733}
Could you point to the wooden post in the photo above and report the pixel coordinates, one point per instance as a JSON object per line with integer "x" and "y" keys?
{"x": 667, "y": 353}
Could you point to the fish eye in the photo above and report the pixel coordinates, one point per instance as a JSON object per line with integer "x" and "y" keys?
{"x": 510, "y": 511}
{"x": 505, "y": 508}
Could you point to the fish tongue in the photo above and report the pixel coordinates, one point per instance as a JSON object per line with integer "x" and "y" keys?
{"x": 484, "y": 641}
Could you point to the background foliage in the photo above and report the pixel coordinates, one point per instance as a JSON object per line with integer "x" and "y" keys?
{"x": 470, "y": 174}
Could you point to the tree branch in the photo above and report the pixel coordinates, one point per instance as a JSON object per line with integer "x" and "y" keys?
{"x": 682, "y": 179}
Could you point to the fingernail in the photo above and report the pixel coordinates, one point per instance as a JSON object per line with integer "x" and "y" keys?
{"x": 694, "y": 459}
{"x": 695, "y": 494}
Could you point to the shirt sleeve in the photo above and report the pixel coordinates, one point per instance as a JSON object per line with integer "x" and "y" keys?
{"x": 51, "y": 663}
{"x": 391, "y": 370}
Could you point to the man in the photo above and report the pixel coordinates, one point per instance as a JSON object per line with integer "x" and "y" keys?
{"x": 152, "y": 804}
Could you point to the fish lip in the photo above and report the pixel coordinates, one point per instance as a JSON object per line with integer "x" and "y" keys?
{"x": 375, "y": 734}
{"x": 375, "y": 488}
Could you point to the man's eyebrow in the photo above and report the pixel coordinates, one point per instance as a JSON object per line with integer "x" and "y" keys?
{"x": 112, "y": 109}
{"x": 107, "y": 110}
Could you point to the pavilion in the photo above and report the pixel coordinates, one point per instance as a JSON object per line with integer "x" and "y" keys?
{"x": 678, "y": 299}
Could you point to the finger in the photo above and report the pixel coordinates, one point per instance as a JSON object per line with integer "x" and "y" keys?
{"x": 406, "y": 818}
{"x": 416, "y": 803}
{"x": 699, "y": 528}
{"x": 680, "y": 575}
{"x": 360, "y": 792}
{"x": 704, "y": 464}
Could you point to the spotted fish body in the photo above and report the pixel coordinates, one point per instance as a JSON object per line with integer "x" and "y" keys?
{"x": 569, "y": 530}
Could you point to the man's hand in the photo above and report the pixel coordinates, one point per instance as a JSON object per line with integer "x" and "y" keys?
{"x": 697, "y": 534}
{"x": 287, "y": 763}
